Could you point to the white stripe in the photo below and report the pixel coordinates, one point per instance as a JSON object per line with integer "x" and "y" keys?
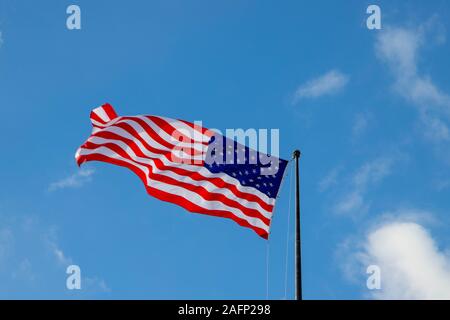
{"x": 198, "y": 136}
{"x": 179, "y": 125}
{"x": 172, "y": 140}
{"x": 159, "y": 146}
{"x": 153, "y": 143}
{"x": 197, "y": 145}
{"x": 179, "y": 191}
{"x": 209, "y": 186}
{"x": 100, "y": 112}
{"x": 96, "y": 123}
{"x": 192, "y": 168}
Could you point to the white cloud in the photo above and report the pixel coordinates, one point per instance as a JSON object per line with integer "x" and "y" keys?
{"x": 411, "y": 263}
{"x": 24, "y": 271}
{"x": 399, "y": 49}
{"x": 435, "y": 129}
{"x": 6, "y": 242}
{"x": 372, "y": 172}
{"x": 369, "y": 174}
{"x": 441, "y": 184}
{"x": 329, "y": 83}
{"x": 360, "y": 124}
{"x": 76, "y": 180}
{"x": 95, "y": 284}
{"x": 351, "y": 202}
{"x": 53, "y": 247}
{"x": 329, "y": 180}
{"x": 32, "y": 261}
{"x": 412, "y": 266}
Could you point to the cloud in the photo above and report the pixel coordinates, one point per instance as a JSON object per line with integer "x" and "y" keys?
{"x": 24, "y": 272}
{"x": 399, "y": 49}
{"x": 412, "y": 266}
{"x": 33, "y": 264}
{"x": 441, "y": 184}
{"x": 329, "y": 180}
{"x": 95, "y": 284}
{"x": 369, "y": 174}
{"x": 50, "y": 239}
{"x": 360, "y": 124}
{"x": 436, "y": 129}
{"x": 411, "y": 263}
{"x": 372, "y": 172}
{"x": 76, "y": 180}
{"x": 329, "y": 83}
{"x": 6, "y": 241}
{"x": 351, "y": 202}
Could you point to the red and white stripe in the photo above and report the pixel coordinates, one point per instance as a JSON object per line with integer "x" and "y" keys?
{"x": 172, "y": 170}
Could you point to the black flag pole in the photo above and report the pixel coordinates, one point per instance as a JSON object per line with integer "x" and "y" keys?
{"x": 298, "y": 250}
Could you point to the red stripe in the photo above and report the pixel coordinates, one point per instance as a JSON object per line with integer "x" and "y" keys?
{"x": 169, "y": 129}
{"x": 202, "y": 130}
{"x": 196, "y": 209}
{"x": 204, "y": 193}
{"x": 109, "y": 111}
{"x": 114, "y": 136}
{"x": 208, "y": 195}
{"x": 95, "y": 117}
{"x": 156, "y": 137}
{"x": 178, "y": 200}
{"x": 166, "y": 127}
{"x": 128, "y": 128}
{"x": 194, "y": 175}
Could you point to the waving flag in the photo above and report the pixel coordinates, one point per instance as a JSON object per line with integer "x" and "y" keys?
{"x": 188, "y": 165}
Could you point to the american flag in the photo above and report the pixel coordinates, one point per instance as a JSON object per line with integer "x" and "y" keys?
{"x": 178, "y": 162}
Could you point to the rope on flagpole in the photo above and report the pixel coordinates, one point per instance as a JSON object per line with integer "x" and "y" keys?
{"x": 273, "y": 215}
{"x": 288, "y": 229}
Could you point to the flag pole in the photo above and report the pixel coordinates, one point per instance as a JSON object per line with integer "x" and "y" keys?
{"x": 298, "y": 251}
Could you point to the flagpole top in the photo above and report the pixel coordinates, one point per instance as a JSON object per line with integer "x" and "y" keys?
{"x": 296, "y": 154}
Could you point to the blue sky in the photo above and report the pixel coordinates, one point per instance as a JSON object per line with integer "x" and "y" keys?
{"x": 369, "y": 109}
